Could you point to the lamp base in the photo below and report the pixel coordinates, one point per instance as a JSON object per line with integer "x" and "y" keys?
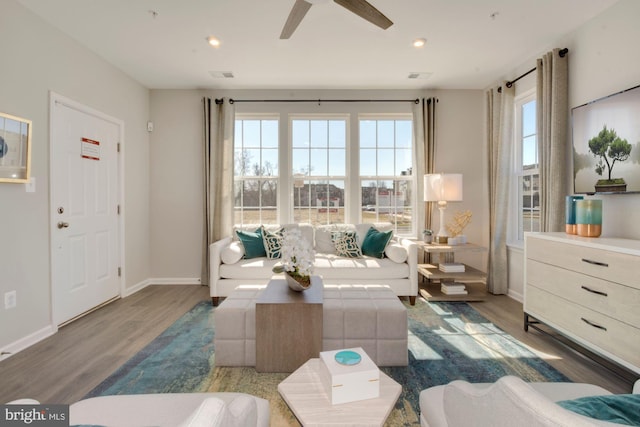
{"x": 442, "y": 239}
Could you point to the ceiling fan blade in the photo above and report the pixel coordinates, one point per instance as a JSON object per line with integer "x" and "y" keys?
{"x": 365, "y": 10}
{"x": 299, "y": 9}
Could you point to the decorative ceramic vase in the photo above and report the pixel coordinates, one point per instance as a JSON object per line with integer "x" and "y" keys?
{"x": 297, "y": 283}
{"x": 589, "y": 217}
{"x": 570, "y": 214}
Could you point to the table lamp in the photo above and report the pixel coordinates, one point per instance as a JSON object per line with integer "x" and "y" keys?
{"x": 442, "y": 188}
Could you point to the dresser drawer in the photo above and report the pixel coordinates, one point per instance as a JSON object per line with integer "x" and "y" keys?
{"x": 608, "y": 265}
{"x": 611, "y": 299}
{"x": 601, "y": 331}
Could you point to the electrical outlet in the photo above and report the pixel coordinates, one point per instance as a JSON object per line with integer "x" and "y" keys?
{"x": 10, "y": 300}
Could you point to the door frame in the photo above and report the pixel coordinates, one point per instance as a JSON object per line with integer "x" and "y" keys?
{"x": 56, "y": 98}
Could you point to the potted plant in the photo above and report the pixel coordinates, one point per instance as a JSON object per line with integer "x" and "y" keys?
{"x": 427, "y": 235}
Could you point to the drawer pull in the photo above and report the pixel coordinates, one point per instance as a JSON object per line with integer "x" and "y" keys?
{"x": 588, "y": 261}
{"x": 604, "y": 294}
{"x": 595, "y": 325}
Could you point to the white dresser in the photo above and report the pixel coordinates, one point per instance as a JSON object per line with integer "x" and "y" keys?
{"x": 588, "y": 289}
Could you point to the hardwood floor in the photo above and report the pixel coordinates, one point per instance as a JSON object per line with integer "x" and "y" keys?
{"x": 65, "y": 367}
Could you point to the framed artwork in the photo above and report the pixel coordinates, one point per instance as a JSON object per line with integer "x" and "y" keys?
{"x": 15, "y": 149}
{"x": 606, "y": 144}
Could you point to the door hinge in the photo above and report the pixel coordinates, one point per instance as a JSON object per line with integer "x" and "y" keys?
{"x": 118, "y": 209}
{"x": 118, "y": 147}
{"x": 119, "y": 271}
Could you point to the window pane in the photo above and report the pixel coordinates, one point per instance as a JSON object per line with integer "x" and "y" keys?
{"x": 300, "y": 133}
{"x": 319, "y": 162}
{"x": 251, "y": 133}
{"x": 368, "y": 162}
{"x": 337, "y": 133}
{"x": 337, "y": 163}
{"x": 404, "y": 133}
{"x": 386, "y": 133}
{"x": 403, "y": 162}
{"x": 319, "y": 133}
{"x": 270, "y": 133}
{"x": 367, "y": 133}
{"x": 253, "y": 162}
{"x": 385, "y": 162}
{"x": 300, "y": 161}
{"x": 269, "y": 162}
{"x": 529, "y": 152}
{"x": 529, "y": 118}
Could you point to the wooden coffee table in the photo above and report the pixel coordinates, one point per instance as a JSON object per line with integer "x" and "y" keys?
{"x": 305, "y": 395}
{"x": 288, "y": 326}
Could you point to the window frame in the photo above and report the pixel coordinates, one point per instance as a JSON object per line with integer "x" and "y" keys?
{"x": 516, "y": 234}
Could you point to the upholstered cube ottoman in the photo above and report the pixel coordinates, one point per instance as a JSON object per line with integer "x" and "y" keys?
{"x": 367, "y": 316}
{"x": 235, "y": 327}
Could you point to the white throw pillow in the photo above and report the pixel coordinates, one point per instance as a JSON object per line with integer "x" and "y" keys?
{"x": 324, "y": 243}
{"x": 396, "y": 252}
{"x": 232, "y": 253}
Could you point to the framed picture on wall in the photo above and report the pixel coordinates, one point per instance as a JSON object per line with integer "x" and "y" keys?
{"x": 15, "y": 149}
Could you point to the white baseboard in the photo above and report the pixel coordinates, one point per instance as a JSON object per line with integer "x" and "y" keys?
{"x": 27, "y": 341}
{"x": 515, "y": 295}
{"x": 176, "y": 281}
{"x": 135, "y": 288}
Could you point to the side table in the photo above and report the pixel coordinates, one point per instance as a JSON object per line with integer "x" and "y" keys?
{"x": 288, "y": 326}
{"x": 474, "y": 279}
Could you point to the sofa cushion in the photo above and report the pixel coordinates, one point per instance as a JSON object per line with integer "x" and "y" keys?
{"x": 336, "y": 267}
{"x": 375, "y": 242}
{"x": 252, "y": 243}
{"x": 255, "y": 268}
{"x": 396, "y": 252}
{"x": 210, "y": 413}
{"x": 346, "y": 244}
{"x": 272, "y": 243}
{"x": 232, "y": 253}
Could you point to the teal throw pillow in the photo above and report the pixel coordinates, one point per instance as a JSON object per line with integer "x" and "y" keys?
{"x": 272, "y": 243}
{"x": 252, "y": 242}
{"x": 614, "y": 408}
{"x": 346, "y": 243}
{"x": 375, "y": 242}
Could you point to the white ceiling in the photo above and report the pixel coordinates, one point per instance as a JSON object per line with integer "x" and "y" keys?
{"x": 466, "y": 47}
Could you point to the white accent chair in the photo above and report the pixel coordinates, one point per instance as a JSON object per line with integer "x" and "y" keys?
{"x": 510, "y": 401}
{"x": 172, "y": 409}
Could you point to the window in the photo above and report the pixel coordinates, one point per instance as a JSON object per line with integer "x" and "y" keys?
{"x": 256, "y": 170}
{"x": 319, "y": 149}
{"x": 527, "y": 167}
{"x": 386, "y": 164}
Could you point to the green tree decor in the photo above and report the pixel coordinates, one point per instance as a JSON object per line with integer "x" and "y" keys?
{"x": 609, "y": 148}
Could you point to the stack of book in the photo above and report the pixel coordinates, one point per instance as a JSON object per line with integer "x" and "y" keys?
{"x": 453, "y": 288}
{"x": 451, "y": 267}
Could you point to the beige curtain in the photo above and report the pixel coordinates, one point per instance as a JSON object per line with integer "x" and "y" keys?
{"x": 500, "y": 140}
{"x": 219, "y": 121}
{"x": 552, "y": 117}
{"x": 424, "y": 150}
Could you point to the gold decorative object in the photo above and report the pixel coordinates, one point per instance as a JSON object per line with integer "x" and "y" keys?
{"x": 459, "y": 222}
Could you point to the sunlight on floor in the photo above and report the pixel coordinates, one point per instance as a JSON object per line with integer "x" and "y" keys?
{"x": 420, "y": 350}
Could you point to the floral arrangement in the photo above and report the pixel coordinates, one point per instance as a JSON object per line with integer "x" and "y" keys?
{"x": 297, "y": 255}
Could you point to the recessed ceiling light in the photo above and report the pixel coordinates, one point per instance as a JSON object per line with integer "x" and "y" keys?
{"x": 419, "y": 42}
{"x": 213, "y": 41}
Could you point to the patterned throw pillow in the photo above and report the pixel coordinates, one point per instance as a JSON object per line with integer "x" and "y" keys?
{"x": 346, "y": 243}
{"x": 272, "y": 243}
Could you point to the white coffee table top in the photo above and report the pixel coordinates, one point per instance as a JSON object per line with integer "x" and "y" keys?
{"x": 305, "y": 395}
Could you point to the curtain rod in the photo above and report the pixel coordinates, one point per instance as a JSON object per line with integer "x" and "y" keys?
{"x": 561, "y": 52}
{"x": 319, "y": 101}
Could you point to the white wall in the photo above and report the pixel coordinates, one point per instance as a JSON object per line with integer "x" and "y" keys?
{"x": 603, "y": 60}
{"x": 37, "y": 59}
{"x": 176, "y": 166}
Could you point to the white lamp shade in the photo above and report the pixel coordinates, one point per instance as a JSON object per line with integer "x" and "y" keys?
{"x": 441, "y": 187}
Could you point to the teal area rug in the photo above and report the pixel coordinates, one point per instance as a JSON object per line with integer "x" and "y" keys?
{"x": 447, "y": 341}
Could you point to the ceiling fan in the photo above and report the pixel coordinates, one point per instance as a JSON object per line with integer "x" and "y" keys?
{"x": 362, "y": 8}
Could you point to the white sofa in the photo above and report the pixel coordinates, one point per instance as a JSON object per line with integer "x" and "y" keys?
{"x": 398, "y": 269}
{"x": 508, "y": 402}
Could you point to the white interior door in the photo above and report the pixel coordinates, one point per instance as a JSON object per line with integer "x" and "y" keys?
{"x": 85, "y": 253}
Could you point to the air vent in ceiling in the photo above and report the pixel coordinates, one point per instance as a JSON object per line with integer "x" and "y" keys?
{"x": 422, "y": 76}
{"x": 221, "y": 74}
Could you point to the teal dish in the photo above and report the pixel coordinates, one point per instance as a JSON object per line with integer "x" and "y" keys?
{"x": 348, "y": 357}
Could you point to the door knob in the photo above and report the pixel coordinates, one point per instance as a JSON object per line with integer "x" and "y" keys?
{"x": 63, "y": 224}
